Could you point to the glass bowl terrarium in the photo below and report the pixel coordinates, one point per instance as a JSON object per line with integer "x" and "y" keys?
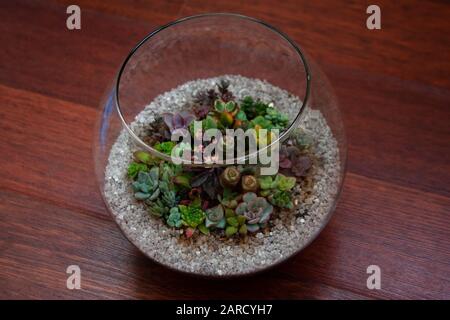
{"x": 220, "y": 147}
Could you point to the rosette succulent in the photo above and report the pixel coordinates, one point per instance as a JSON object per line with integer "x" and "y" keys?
{"x": 174, "y": 219}
{"x": 278, "y": 120}
{"x": 134, "y": 168}
{"x": 192, "y": 216}
{"x": 225, "y": 112}
{"x": 230, "y": 177}
{"x": 249, "y": 183}
{"x": 215, "y": 217}
{"x": 178, "y": 121}
{"x": 292, "y": 158}
{"x": 301, "y": 165}
{"x": 278, "y": 189}
{"x": 253, "y": 108}
{"x": 146, "y": 187}
{"x": 255, "y": 209}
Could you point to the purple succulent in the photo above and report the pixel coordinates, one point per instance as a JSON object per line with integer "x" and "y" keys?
{"x": 201, "y": 111}
{"x": 301, "y": 165}
{"x": 178, "y": 121}
{"x": 285, "y": 162}
{"x": 291, "y": 158}
{"x": 255, "y": 209}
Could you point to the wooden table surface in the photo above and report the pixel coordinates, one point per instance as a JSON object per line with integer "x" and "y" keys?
{"x": 393, "y": 85}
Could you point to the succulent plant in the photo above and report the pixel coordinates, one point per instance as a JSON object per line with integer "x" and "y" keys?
{"x": 261, "y": 122}
{"x": 134, "y": 168}
{"x": 221, "y": 106}
{"x": 174, "y": 219}
{"x": 191, "y": 215}
{"x": 203, "y": 229}
{"x": 280, "y": 182}
{"x": 225, "y": 94}
{"x": 189, "y": 232}
{"x": 225, "y": 112}
{"x": 278, "y": 120}
{"x": 255, "y": 209}
{"x": 234, "y": 224}
{"x": 301, "y": 165}
{"x": 253, "y": 108}
{"x": 143, "y": 157}
{"x": 249, "y": 183}
{"x": 157, "y": 208}
{"x": 147, "y": 185}
{"x": 195, "y": 193}
{"x": 165, "y": 147}
{"x": 167, "y": 195}
{"x": 302, "y": 138}
{"x": 282, "y": 199}
{"x": 182, "y": 180}
{"x": 285, "y": 156}
{"x": 228, "y": 199}
{"x": 230, "y": 177}
{"x": 209, "y": 180}
{"x": 215, "y": 217}
{"x": 178, "y": 121}
{"x": 209, "y": 123}
{"x": 157, "y": 131}
{"x": 205, "y": 101}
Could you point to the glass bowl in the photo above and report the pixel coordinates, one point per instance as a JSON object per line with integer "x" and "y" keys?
{"x": 171, "y": 71}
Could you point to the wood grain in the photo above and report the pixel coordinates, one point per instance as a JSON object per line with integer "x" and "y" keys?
{"x": 394, "y": 90}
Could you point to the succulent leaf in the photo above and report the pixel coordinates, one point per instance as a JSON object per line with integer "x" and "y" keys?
{"x": 174, "y": 218}
{"x": 230, "y": 177}
{"x": 230, "y": 231}
{"x": 134, "y": 168}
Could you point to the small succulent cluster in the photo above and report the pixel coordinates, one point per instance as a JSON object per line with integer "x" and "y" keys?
{"x": 231, "y": 201}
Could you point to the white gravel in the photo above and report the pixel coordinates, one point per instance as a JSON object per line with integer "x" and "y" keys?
{"x": 207, "y": 255}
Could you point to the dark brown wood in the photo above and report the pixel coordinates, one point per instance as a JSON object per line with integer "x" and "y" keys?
{"x": 394, "y": 90}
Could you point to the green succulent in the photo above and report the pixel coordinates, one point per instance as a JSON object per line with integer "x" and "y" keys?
{"x": 174, "y": 219}
{"x": 157, "y": 208}
{"x": 230, "y": 231}
{"x": 144, "y": 157}
{"x": 203, "y": 229}
{"x": 209, "y": 123}
{"x": 280, "y": 182}
{"x": 302, "y": 138}
{"x": 183, "y": 180}
{"x": 277, "y": 190}
{"x": 179, "y": 149}
{"x": 221, "y": 106}
{"x": 229, "y": 198}
{"x": 282, "y": 199}
{"x": 261, "y": 122}
{"x": 240, "y": 115}
{"x": 253, "y": 108}
{"x": 146, "y": 187}
{"x": 278, "y": 120}
{"x": 167, "y": 194}
{"x": 134, "y": 168}
{"x": 215, "y": 217}
{"x": 191, "y": 215}
{"x": 165, "y": 147}
{"x": 255, "y": 209}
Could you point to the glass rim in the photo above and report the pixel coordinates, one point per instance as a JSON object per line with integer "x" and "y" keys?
{"x": 283, "y": 135}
